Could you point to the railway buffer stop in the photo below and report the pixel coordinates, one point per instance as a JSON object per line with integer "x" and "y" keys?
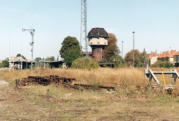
{"x": 154, "y": 82}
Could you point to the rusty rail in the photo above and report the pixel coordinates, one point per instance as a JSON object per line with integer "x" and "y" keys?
{"x": 66, "y": 82}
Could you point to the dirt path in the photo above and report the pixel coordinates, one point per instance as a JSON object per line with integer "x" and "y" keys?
{"x": 15, "y": 107}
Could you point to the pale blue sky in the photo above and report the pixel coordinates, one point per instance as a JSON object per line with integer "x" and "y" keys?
{"x": 156, "y": 23}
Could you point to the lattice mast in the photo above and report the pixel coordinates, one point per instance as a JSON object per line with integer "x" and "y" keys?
{"x": 83, "y": 31}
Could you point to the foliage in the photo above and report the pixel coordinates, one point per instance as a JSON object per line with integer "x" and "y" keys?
{"x": 20, "y": 55}
{"x": 51, "y": 58}
{"x": 144, "y": 58}
{"x": 4, "y": 63}
{"x": 85, "y": 63}
{"x": 140, "y": 59}
{"x": 164, "y": 64}
{"x": 70, "y": 50}
{"x": 129, "y": 58}
{"x": 39, "y": 62}
{"x": 111, "y": 49}
{"x": 117, "y": 60}
{"x": 38, "y": 59}
{"x": 96, "y": 85}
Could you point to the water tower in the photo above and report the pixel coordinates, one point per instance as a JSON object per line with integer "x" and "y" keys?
{"x": 98, "y": 40}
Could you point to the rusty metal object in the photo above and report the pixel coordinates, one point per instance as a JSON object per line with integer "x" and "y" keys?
{"x": 46, "y": 80}
{"x": 66, "y": 82}
{"x": 93, "y": 87}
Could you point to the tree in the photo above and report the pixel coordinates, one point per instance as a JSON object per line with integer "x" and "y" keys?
{"x": 20, "y": 55}
{"x": 38, "y": 59}
{"x": 164, "y": 64}
{"x": 111, "y": 49}
{"x": 4, "y": 63}
{"x": 51, "y": 58}
{"x": 117, "y": 60}
{"x": 144, "y": 58}
{"x": 70, "y": 50}
{"x": 129, "y": 58}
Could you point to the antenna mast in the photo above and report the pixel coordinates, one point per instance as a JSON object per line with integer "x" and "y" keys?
{"x": 83, "y": 31}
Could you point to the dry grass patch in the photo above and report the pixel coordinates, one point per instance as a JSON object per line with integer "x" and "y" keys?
{"x": 124, "y": 78}
{"x": 57, "y": 103}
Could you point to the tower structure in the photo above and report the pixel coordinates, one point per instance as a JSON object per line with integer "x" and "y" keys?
{"x": 83, "y": 31}
{"x": 98, "y": 40}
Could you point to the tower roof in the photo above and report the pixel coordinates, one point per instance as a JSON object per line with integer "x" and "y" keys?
{"x": 98, "y": 33}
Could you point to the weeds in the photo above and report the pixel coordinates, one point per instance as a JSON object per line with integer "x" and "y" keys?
{"x": 58, "y": 103}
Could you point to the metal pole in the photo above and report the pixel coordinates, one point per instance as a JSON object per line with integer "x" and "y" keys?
{"x": 32, "y": 50}
{"x": 9, "y": 54}
{"x": 133, "y": 48}
{"x": 122, "y": 49}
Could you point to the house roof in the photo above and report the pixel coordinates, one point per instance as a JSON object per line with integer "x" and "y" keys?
{"x": 18, "y": 59}
{"x": 98, "y": 33}
{"x": 153, "y": 54}
{"x": 177, "y": 53}
{"x": 167, "y": 54}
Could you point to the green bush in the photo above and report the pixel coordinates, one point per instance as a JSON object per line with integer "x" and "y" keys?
{"x": 119, "y": 62}
{"x": 96, "y": 85}
{"x": 85, "y": 63}
{"x": 5, "y": 63}
{"x": 163, "y": 64}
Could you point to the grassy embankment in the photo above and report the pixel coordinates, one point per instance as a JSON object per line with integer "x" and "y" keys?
{"x": 131, "y": 101}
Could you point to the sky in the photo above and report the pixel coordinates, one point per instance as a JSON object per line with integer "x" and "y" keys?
{"x": 156, "y": 23}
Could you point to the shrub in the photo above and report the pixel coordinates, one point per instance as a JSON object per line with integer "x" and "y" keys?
{"x": 5, "y": 63}
{"x": 164, "y": 64}
{"x": 119, "y": 62}
{"x": 85, "y": 63}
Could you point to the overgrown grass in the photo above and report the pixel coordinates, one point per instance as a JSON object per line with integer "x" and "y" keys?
{"x": 131, "y": 101}
{"x": 124, "y": 77}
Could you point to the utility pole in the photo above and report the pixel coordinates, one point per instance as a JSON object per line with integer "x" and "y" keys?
{"x": 9, "y": 54}
{"x": 83, "y": 31}
{"x": 122, "y": 49}
{"x": 31, "y": 31}
{"x": 133, "y": 48}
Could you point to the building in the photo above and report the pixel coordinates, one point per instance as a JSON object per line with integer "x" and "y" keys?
{"x": 53, "y": 64}
{"x": 176, "y": 59}
{"x": 153, "y": 57}
{"x": 164, "y": 56}
{"x": 19, "y": 63}
{"x": 168, "y": 56}
{"x": 98, "y": 40}
{"x": 84, "y": 54}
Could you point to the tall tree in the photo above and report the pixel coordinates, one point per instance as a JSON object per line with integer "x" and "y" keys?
{"x": 137, "y": 58}
{"x": 144, "y": 58}
{"x": 112, "y": 48}
{"x": 70, "y": 50}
